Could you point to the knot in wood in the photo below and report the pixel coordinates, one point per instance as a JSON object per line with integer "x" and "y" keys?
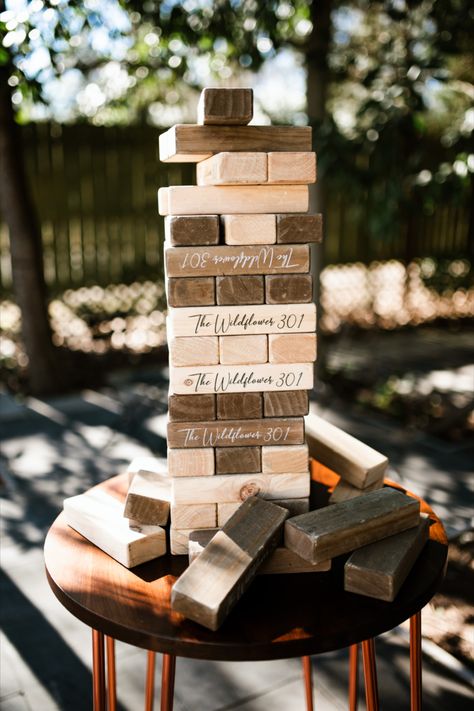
{"x": 251, "y": 489}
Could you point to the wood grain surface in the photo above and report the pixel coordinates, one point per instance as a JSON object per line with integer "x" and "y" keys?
{"x": 243, "y": 350}
{"x": 197, "y": 291}
{"x": 223, "y": 106}
{"x": 236, "y": 433}
{"x": 234, "y": 290}
{"x": 299, "y": 228}
{"x": 148, "y": 498}
{"x": 238, "y": 487}
{"x": 191, "y": 408}
{"x": 288, "y": 288}
{"x": 286, "y": 403}
{"x": 238, "y": 460}
{"x": 240, "y": 378}
{"x": 249, "y": 229}
{"x": 289, "y": 348}
{"x": 185, "y": 230}
{"x": 292, "y": 168}
{"x": 191, "y": 461}
{"x": 239, "y": 406}
{"x": 241, "y": 168}
{"x": 227, "y": 199}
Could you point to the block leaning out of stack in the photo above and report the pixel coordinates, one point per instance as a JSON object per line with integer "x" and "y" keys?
{"x": 241, "y": 320}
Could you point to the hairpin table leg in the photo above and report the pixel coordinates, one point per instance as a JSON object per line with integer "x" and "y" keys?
{"x": 167, "y": 682}
{"x": 370, "y": 675}
{"x": 111, "y": 675}
{"x": 98, "y": 671}
{"x": 353, "y": 676}
{"x": 415, "y": 662}
{"x": 308, "y": 682}
{"x": 150, "y": 681}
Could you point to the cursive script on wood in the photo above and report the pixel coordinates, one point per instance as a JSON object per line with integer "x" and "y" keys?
{"x": 236, "y": 433}
{"x": 241, "y": 378}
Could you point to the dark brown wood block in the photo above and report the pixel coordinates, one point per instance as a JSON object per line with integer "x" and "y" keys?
{"x": 289, "y": 403}
{"x": 239, "y": 406}
{"x": 186, "y": 230}
{"x": 299, "y": 228}
{"x": 225, "y": 106}
{"x": 236, "y": 433}
{"x": 234, "y": 290}
{"x": 288, "y": 289}
{"x": 238, "y": 460}
{"x": 191, "y": 408}
{"x": 196, "y": 291}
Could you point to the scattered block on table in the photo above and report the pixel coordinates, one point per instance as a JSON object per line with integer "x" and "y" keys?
{"x": 188, "y": 143}
{"x": 286, "y": 403}
{"x": 328, "y": 532}
{"x": 235, "y": 433}
{"x": 238, "y": 320}
{"x": 249, "y": 229}
{"x": 293, "y": 506}
{"x": 147, "y": 464}
{"x": 289, "y": 348}
{"x": 238, "y": 460}
{"x": 233, "y": 290}
{"x": 243, "y": 350}
{"x": 380, "y": 569}
{"x": 148, "y": 498}
{"x": 201, "y": 200}
{"x": 343, "y": 491}
{"x": 229, "y": 260}
{"x": 179, "y": 540}
{"x": 224, "y": 512}
{"x": 191, "y": 408}
{"x": 299, "y": 228}
{"x": 278, "y": 460}
{"x": 239, "y": 406}
{"x": 186, "y": 230}
{"x": 237, "y": 378}
{"x": 233, "y": 169}
{"x": 194, "y": 516}
{"x": 208, "y": 590}
{"x": 145, "y": 528}
{"x": 225, "y": 106}
{"x": 353, "y": 460}
{"x": 292, "y": 167}
{"x": 238, "y": 487}
{"x": 99, "y": 517}
{"x": 192, "y": 350}
{"x": 191, "y": 462}
{"x": 288, "y": 288}
{"x": 195, "y": 291}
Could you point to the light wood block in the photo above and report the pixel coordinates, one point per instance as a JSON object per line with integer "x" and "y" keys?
{"x": 249, "y": 229}
{"x": 202, "y": 200}
{"x": 239, "y": 406}
{"x": 299, "y": 229}
{"x": 224, "y": 513}
{"x": 293, "y": 506}
{"x": 233, "y": 169}
{"x": 292, "y": 168}
{"x": 99, "y": 517}
{"x": 286, "y": 403}
{"x": 237, "y": 320}
{"x": 289, "y": 348}
{"x": 343, "y": 491}
{"x": 238, "y": 460}
{"x": 191, "y": 408}
{"x": 195, "y": 462}
{"x": 243, "y": 350}
{"x": 225, "y": 106}
{"x": 230, "y": 261}
{"x": 233, "y": 290}
{"x": 179, "y": 540}
{"x": 354, "y": 461}
{"x": 147, "y": 464}
{"x": 145, "y": 528}
{"x": 333, "y": 530}
{"x": 238, "y": 378}
{"x": 189, "y": 350}
{"x": 234, "y": 433}
{"x": 288, "y": 288}
{"x": 186, "y": 230}
{"x": 148, "y": 498}
{"x": 380, "y": 569}
{"x": 238, "y": 487}
{"x": 197, "y": 291}
{"x": 278, "y": 460}
{"x": 194, "y": 516}
{"x": 188, "y": 143}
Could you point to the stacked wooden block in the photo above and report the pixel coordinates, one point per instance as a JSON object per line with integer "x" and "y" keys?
{"x": 241, "y": 321}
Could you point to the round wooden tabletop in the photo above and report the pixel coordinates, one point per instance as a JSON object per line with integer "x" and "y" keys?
{"x": 279, "y": 616}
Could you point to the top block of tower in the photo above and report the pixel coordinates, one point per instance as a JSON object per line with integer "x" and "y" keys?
{"x": 225, "y": 107}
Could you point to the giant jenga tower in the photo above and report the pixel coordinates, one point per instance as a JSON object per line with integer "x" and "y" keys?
{"x": 241, "y": 320}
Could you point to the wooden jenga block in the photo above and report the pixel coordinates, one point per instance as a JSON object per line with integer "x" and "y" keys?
{"x": 233, "y": 290}
{"x": 191, "y": 462}
{"x": 249, "y": 229}
{"x": 286, "y": 403}
{"x": 188, "y": 143}
{"x": 224, "y": 512}
{"x": 237, "y": 487}
{"x": 238, "y": 460}
{"x": 293, "y": 506}
{"x": 225, "y": 106}
{"x": 197, "y": 291}
{"x": 288, "y": 288}
{"x": 243, "y": 350}
{"x": 343, "y": 491}
{"x": 192, "y": 350}
{"x": 239, "y": 406}
{"x": 179, "y": 540}
{"x": 145, "y": 528}
{"x": 328, "y": 532}
{"x": 235, "y": 433}
{"x": 201, "y": 200}
{"x": 380, "y": 569}
{"x": 231, "y": 261}
{"x": 292, "y": 168}
{"x": 233, "y": 169}
{"x": 299, "y": 228}
{"x": 210, "y": 587}
{"x": 276, "y": 460}
{"x": 147, "y": 464}
{"x": 353, "y": 460}
{"x": 99, "y": 517}
{"x": 194, "y": 516}
{"x": 239, "y": 378}
{"x": 237, "y": 320}
{"x": 186, "y": 230}
{"x": 289, "y": 348}
{"x": 191, "y": 408}
{"x": 148, "y": 498}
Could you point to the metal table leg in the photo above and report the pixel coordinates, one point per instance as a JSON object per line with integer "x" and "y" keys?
{"x": 167, "y": 682}
{"x": 150, "y": 681}
{"x": 98, "y": 671}
{"x": 308, "y": 682}
{"x": 353, "y": 676}
{"x": 111, "y": 675}
{"x": 415, "y": 662}
{"x": 370, "y": 675}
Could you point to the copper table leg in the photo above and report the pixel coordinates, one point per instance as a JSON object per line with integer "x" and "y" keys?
{"x": 150, "y": 681}
{"x": 308, "y": 682}
{"x": 111, "y": 675}
{"x": 167, "y": 681}
{"x": 353, "y": 676}
{"x": 98, "y": 671}
{"x": 370, "y": 675}
{"x": 415, "y": 662}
